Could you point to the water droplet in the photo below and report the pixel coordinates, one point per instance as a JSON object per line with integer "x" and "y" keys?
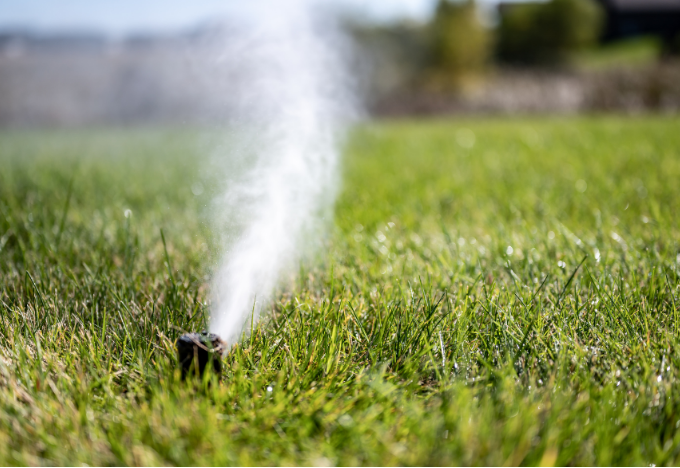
{"x": 345, "y": 420}
{"x": 551, "y": 235}
{"x": 197, "y": 189}
{"x": 127, "y": 213}
{"x": 509, "y": 250}
{"x": 581, "y": 185}
{"x": 270, "y": 389}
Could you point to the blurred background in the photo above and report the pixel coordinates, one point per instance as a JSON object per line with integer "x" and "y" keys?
{"x": 80, "y": 63}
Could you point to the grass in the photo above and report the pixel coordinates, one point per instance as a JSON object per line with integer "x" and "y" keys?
{"x": 639, "y": 51}
{"x": 494, "y": 292}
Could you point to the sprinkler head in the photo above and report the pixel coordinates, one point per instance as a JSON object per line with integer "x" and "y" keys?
{"x": 198, "y": 350}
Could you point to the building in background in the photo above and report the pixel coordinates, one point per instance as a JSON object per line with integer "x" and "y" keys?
{"x": 631, "y": 18}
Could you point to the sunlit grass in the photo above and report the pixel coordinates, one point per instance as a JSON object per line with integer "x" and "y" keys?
{"x": 623, "y": 53}
{"x": 493, "y": 292}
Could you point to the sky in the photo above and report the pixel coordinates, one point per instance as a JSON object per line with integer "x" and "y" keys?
{"x": 121, "y": 17}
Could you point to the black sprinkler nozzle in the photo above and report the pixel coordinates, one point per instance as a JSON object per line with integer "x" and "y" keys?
{"x": 196, "y": 351}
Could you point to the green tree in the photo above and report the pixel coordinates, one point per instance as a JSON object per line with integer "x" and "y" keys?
{"x": 548, "y": 33}
{"x": 460, "y": 45}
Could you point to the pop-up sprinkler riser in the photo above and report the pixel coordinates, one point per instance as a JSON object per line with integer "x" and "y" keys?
{"x": 197, "y": 351}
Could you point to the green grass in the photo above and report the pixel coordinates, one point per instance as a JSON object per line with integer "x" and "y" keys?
{"x": 512, "y": 302}
{"x": 623, "y": 53}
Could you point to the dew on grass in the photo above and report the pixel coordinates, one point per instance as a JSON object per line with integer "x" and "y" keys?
{"x": 618, "y": 238}
{"x": 509, "y": 250}
{"x": 597, "y": 255}
{"x": 127, "y": 213}
{"x": 345, "y": 420}
{"x": 322, "y": 461}
{"x": 581, "y": 185}
{"x": 197, "y": 189}
{"x": 551, "y": 235}
{"x": 398, "y": 449}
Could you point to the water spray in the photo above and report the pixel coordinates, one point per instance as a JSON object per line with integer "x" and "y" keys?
{"x": 290, "y": 98}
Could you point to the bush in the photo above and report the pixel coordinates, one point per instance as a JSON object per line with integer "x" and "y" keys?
{"x": 460, "y": 45}
{"x": 548, "y": 33}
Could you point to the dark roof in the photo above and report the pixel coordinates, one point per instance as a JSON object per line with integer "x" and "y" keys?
{"x": 643, "y": 5}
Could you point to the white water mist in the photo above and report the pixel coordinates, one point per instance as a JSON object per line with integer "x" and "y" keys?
{"x": 290, "y": 98}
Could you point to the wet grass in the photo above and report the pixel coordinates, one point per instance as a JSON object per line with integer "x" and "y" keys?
{"x": 494, "y": 292}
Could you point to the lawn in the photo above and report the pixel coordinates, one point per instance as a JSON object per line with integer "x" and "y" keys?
{"x": 493, "y": 291}
{"x": 634, "y": 52}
